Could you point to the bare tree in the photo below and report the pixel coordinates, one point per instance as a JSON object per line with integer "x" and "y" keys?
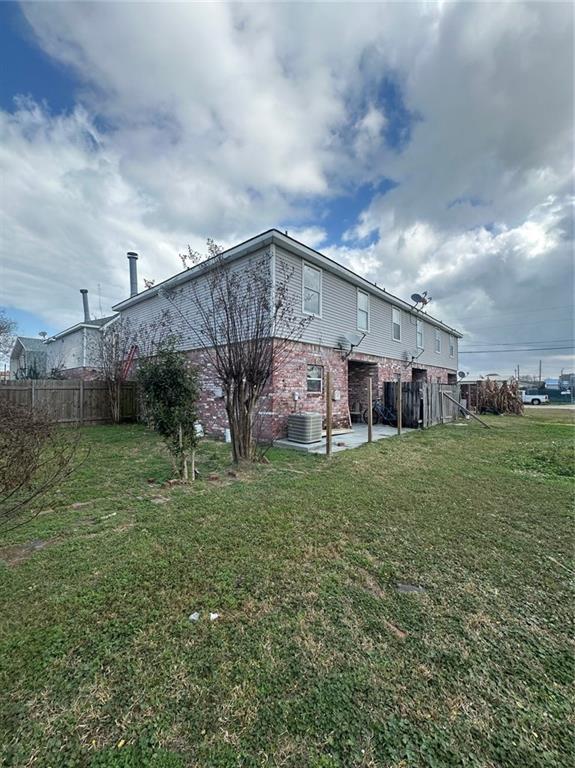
{"x": 7, "y": 330}
{"x": 35, "y": 455}
{"x": 119, "y": 345}
{"x": 246, "y": 324}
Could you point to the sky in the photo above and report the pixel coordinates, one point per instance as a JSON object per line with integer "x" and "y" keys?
{"x": 425, "y": 146}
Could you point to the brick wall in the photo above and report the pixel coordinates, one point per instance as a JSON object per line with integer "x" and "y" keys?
{"x": 288, "y": 388}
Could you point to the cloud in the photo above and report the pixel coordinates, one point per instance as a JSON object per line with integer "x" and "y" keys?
{"x": 224, "y": 119}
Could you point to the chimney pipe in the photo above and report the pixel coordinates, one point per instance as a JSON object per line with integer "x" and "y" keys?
{"x": 84, "y": 292}
{"x": 133, "y": 258}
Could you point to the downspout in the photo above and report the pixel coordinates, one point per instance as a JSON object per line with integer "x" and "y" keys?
{"x": 272, "y": 305}
{"x": 84, "y": 347}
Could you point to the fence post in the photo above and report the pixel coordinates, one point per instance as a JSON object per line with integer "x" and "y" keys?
{"x": 441, "y": 404}
{"x": 32, "y": 394}
{"x": 328, "y": 413}
{"x": 81, "y": 401}
{"x": 369, "y": 410}
{"x": 399, "y": 404}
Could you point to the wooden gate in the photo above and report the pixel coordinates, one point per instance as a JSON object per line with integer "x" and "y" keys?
{"x": 423, "y": 404}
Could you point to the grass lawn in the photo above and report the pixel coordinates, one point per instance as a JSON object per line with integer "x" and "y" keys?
{"x": 317, "y": 659}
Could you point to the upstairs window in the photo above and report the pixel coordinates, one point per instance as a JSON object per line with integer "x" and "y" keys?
{"x": 451, "y": 346}
{"x": 419, "y": 333}
{"x": 438, "y": 341}
{"x": 362, "y": 311}
{"x": 311, "y": 290}
{"x": 314, "y": 378}
{"x": 396, "y": 324}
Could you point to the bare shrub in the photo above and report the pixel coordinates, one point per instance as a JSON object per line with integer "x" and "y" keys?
{"x": 35, "y": 455}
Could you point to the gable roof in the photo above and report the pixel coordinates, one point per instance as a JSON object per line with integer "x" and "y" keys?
{"x": 95, "y": 324}
{"x": 275, "y": 237}
{"x": 30, "y": 343}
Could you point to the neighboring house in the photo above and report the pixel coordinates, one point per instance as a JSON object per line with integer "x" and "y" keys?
{"x": 28, "y": 358}
{"x": 74, "y": 353}
{"x": 391, "y": 337}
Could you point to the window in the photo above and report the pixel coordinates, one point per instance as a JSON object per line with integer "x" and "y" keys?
{"x": 419, "y": 333}
{"x": 362, "y": 311}
{"x": 451, "y": 346}
{"x": 396, "y": 324}
{"x": 314, "y": 378}
{"x": 437, "y": 341}
{"x": 311, "y": 290}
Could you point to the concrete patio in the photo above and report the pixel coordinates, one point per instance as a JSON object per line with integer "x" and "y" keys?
{"x": 343, "y": 439}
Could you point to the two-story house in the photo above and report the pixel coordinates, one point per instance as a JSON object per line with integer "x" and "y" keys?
{"x": 355, "y": 329}
{"x": 75, "y": 352}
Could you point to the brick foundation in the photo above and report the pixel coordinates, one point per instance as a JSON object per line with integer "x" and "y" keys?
{"x": 288, "y": 387}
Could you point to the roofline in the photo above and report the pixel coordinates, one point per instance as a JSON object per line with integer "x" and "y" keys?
{"x": 18, "y": 340}
{"x": 299, "y": 249}
{"x": 72, "y": 329}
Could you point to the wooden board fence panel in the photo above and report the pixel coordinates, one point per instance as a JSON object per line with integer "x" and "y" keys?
{"x": 71, "y": 400}
{"x": 423, "y": 404}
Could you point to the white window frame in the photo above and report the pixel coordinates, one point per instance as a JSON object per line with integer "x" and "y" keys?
{"x": 308, "y": 379}
{"x": 419, "y": 332}
{"x": 451, "y": 346}
{"x": 303, "y": 289}
{"x": 437, "y": 341}
{"x": 393, "y": 311}
{"x": 358, "y": 310}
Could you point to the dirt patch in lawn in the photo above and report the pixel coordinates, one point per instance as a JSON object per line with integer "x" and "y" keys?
{"x": 18, "y": 553}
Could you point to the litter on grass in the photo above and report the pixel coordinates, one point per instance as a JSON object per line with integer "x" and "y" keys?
{"x": 194, "y": 616}
{"x": 416, "y": 588}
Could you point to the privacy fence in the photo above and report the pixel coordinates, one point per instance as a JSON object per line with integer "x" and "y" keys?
{"x": 422, "y": 404}
{"x": 71, "y": 400}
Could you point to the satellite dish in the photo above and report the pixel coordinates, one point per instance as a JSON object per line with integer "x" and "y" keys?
{"x": 461, "y": 374}
{"x": 421, "y": 298}
{"x": 354, "y": 338}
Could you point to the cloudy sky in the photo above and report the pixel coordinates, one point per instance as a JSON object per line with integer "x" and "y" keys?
{"x": 428, "y": 147}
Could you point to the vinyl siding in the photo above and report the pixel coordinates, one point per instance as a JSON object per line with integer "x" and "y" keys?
{"x": 184, "y": 319}
{"x": 68, "y": 351}
{"x": 339, "y": 316}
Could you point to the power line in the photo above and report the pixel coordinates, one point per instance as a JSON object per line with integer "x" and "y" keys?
{"x": 517, "y": 312}
{"x": 516, "y": 325}
{"x": 511, "y": 343}
{"x": 532, "y": 349}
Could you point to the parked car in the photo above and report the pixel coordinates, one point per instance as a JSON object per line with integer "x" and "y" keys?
{"x": 535, "y": 399}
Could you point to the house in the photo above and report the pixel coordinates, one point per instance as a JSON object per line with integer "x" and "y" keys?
{"x": 74, "y": 352}
{"x": 28, "y": 358}
{"x": 356, "y": 330}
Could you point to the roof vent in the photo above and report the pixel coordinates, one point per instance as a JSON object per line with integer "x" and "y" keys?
{"x": 133, "y": 258}
{"x": 84, "y": 292}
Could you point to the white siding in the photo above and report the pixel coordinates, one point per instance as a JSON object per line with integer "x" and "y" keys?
{"x": 339, "y": 317}
{"x": 338, "y": 314}
{"x": 68, "y": 351}
{"x": 181, "y": 306}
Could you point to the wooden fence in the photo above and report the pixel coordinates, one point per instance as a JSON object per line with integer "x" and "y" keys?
{"x": 423, "y": 404}
{"x": 71, "y": 400}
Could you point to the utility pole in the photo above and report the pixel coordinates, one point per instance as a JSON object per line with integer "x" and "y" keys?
{"x": 540, "y": 372}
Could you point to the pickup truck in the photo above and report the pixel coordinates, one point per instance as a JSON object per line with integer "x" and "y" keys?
{"x": 533, "y": 399}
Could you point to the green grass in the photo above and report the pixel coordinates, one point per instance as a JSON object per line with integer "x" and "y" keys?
{"x": 317, "y": 659}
